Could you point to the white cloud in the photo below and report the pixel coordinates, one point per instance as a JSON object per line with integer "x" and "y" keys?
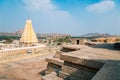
{"x": 46, "y": 7}
{"x": 55, "y": 19}
{"x": 38, "y": 5}
{"x": 101, "y": 7}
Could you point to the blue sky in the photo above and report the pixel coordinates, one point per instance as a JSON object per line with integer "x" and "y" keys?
{"x": 74, "y": 17}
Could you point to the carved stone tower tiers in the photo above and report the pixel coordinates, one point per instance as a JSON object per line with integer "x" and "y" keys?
{"x": 28, "y": 37}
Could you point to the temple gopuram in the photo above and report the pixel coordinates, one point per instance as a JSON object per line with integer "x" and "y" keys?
{"x": 28, "y": 37}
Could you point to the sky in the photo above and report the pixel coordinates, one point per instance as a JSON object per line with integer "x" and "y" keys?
{"x": 75, "y": 17}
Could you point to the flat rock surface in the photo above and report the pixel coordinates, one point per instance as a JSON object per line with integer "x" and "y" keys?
{"x": 89, "y": 53}
{"x": 76, "y": 47}
{"x": 27, "y": 69}
{"x": 108, "y": 61}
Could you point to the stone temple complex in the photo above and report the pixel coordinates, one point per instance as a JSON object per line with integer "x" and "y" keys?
{"x": 28, "y": 43}
{"x": 28, "y": 37}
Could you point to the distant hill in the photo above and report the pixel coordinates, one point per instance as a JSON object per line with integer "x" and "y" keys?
{"x": 19, "y": 33}
{"x": 96, "y": 35}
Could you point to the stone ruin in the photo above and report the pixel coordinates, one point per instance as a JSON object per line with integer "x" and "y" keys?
{"x": 82, "y": 64}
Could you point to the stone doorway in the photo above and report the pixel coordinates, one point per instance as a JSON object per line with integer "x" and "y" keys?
{"x": 78, "y": 42}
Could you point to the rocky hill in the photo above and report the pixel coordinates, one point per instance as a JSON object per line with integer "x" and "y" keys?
{"x": 97, "y": 35}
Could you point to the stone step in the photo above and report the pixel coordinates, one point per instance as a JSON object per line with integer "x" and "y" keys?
{"x": 54, "y": 65}
{"x": 55, "y": 61}
{"x": 81, "y": 61}
{"x": 82, "y": 74}
{"x": 52, "y": 68}
{"x": 64, "y": 75}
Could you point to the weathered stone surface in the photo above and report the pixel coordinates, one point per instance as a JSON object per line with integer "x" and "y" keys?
{"x": 75, "y": 47}
{"x": 58, "y": 54}
{"x": 79, "y": 73}
{"x": 54, "y": 65}
{"x": 51, "y": 76}
{"x": 64, "y": 75}
{"x": 70, "y": 48}
{"x": 85, "y": 63}
{"x": 82, "y": 61}
{"x": 110, "y": 71}
{"x": 53, "y": 68}
{"x": 55, "y": 61}
{"x": 88, "y": 53}
{"x": 81, "y": 67}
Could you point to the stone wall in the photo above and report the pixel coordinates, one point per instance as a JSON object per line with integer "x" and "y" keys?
{"x": 22, "y": 50}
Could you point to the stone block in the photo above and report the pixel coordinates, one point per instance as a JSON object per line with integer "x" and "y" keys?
{"x": 55, "y": 61}
{"x": 82, "y": 61}
{"x": 58, "y": 54}
{"x": 79, "y": 73}
{"x": 53, "y": 68}
{"x": 69, "y": 48}
{"x": 64, "y": 75}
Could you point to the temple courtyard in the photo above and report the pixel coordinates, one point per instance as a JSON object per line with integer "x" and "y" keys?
{"x": 90, "y": 60}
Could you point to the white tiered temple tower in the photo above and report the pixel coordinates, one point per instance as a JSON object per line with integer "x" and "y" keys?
{"x": 28, "y": 37}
